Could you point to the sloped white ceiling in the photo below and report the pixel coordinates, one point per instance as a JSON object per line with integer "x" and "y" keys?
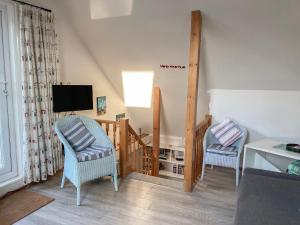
{"x": 246, "y": 45}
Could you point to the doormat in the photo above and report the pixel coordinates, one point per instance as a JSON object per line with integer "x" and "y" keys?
{"x": 20, "y": 204}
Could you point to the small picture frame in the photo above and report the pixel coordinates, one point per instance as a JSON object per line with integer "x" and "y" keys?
{"x": 119, "y": 116}
{"x": 101, "y": 105}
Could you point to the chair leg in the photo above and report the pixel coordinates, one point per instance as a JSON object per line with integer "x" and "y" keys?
{"x": 203, "y": 171}
{"x": 78, "y": 195}
{"x": 237, "y": 176}
{"x": 115, "y": 180}
{"x": 63, "y": 181}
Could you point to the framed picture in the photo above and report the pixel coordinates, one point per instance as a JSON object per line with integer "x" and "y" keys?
{"x": 101, "y": 105}
{"x": 119, "y": 116}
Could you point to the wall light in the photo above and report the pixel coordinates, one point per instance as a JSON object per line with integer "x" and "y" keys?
{"x": 137, "y": 86}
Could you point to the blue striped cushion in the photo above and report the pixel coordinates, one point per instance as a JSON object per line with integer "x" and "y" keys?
{"x": 78, "y": 136}
{"x": 221, "y": 150}
{"x": 93, "y": 152}
{"x": 226, "y": 132}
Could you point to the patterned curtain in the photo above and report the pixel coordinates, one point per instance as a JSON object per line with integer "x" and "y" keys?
{"x": 40, "y": 66}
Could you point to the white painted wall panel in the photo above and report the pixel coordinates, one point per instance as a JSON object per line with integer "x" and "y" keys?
{"x": 274, "y": 114}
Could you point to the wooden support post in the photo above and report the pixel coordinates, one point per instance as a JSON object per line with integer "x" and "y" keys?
{"x": 195, "y": 39}
{"x": 156, "y": 131}
{"x": 124, "y": 147}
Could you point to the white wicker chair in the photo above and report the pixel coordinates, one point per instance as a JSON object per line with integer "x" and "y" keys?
{"x": 81, "y": 172}
{"x": 222, "y": 160}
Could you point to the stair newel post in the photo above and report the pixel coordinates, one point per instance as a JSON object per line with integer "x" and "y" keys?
{"x": 193, "y": 77}
{"x": 156, "y": 131}
{"x": 124, "y": 134}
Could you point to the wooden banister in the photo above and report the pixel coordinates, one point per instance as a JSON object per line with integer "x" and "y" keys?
{"x": 124, "y": 147}
{"x": 205, "y": 122}
{"x": 134, "y": 155}
{"x": 106, "y": 121}
{"x": 136, "y": 136}
{"x": 198, "y": 143}
{"x": 156, "y": 131}
{"x": 141, "y": 160}
{"x": 106, "y": 124}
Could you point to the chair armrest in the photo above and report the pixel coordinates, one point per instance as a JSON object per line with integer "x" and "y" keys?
{"x": 241, "y": 142}
{"x": 208, "y": 138}
{"x": 240, "y": 147}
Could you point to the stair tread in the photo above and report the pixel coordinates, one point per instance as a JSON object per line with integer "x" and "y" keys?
{"x": 157, "y": 180}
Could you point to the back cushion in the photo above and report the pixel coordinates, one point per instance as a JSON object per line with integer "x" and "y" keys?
{"x": 78, "y": 136}
{"x": 226, "y": 132}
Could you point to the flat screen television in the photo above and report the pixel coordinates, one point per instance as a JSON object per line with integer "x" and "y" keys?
{"x": 68, "y": 98}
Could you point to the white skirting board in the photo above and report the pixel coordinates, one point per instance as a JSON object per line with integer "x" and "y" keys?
{"x": 12, "y": 185}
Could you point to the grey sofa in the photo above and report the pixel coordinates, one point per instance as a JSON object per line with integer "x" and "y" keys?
{"x": 268, "y": 198}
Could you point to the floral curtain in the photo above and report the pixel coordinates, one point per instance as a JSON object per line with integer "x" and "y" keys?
{"x": 40, "y": 68}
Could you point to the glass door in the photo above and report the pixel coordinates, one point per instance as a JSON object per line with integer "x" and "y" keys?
{"x": 7, "y": 158}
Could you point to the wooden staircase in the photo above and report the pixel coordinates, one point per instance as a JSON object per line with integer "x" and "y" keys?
{"x": 132, "y": 153}
{"x": 135, "y": 156}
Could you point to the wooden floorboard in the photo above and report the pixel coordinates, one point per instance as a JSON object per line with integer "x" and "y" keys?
{"x": 139, "y": 201}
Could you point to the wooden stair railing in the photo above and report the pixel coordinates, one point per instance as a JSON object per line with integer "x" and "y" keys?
{"x": 198, "y": 144}
{"x": 134, "y": 155}
{"x": 111, "y": 128}
{"x": 141, "y": 155}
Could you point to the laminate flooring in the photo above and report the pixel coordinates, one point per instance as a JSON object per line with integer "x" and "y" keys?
{"x": 140, "y": 200}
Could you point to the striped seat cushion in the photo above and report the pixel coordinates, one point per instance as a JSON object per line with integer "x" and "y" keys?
{"x": 78, "y": 136}
{"x": 93, "y": 152}
{"x": 226, "y": 132}
{"x": 221, "y": 150}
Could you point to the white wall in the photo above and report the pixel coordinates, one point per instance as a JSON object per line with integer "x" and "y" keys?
{"x": 156, "y": 32}
{"x": 274, "y": 114}
{"x": 77, "y": 66}
{"x": 246, "y": 45}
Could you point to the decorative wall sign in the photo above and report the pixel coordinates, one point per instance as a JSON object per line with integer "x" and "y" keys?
{"x": 166, "y": 66}
{"x": 101, "y": 105}
{"x": 119, "y": 116}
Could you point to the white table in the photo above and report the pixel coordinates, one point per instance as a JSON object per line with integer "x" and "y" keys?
{"x": 263, "y": 155}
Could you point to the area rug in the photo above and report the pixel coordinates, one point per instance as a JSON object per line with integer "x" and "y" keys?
{"x": 20, "y": 204}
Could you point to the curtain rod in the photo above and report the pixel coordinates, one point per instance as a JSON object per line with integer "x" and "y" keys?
{"x": 25, "y": 3}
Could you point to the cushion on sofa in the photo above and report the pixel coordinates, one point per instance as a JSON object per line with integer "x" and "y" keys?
{"x": 222, "y": 150}
{"x": 78, "y": 136}
{"x": 227, "y": 132}
{"x": 93, "y": 152}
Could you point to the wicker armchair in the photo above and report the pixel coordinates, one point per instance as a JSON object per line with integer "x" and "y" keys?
{"x": 81, "y": 172}
{"x": 219, "y": 159}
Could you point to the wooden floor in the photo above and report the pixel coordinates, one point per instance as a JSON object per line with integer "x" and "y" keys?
{"x": 139, "y": 201}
